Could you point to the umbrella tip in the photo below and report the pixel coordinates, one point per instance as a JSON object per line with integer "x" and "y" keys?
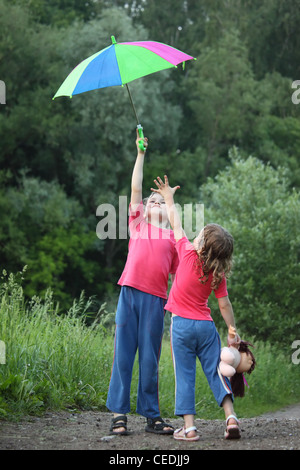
{"x": 113, "y": 40}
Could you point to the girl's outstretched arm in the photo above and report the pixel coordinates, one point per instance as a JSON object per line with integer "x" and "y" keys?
{"x": 168, "y": 194}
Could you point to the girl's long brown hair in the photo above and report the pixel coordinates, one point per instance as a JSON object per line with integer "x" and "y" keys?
{"x": 215, "y": 254}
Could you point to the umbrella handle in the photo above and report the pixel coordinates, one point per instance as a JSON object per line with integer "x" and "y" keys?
{"x": 141, "y": 134}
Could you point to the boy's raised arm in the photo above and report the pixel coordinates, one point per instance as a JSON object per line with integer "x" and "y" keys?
{"x": 137, "y": 174}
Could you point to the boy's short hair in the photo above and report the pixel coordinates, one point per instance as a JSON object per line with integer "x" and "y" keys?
{"x": 145, "y": 199}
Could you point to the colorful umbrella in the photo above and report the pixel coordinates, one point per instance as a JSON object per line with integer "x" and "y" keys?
{"x": 119, "y": 64}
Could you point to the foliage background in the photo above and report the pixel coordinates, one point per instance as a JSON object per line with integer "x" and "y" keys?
{"x": 225, "y": 129}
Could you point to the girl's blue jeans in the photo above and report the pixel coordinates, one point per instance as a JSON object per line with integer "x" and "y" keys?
{"x": 191, "y": 339}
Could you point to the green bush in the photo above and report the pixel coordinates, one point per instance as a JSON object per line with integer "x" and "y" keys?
{"x": 255, "y": 203}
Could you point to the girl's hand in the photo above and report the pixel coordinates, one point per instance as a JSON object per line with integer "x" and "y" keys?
{"x": 163, "y": 187}
{"x": 234, "y": 341}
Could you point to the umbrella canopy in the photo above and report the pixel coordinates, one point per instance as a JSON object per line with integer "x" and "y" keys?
{"x": 119, "y": 64}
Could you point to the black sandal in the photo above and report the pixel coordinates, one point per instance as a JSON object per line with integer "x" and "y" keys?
{"x": 119, "y": 422}
{"x": 158, "y": 427}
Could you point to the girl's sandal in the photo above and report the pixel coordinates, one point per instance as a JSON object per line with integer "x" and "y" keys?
{"x": 119, "y": 422}
{"x": 232, "y": 430}
{"x": 184, "y": 437}
{"x": 158, "y": 426}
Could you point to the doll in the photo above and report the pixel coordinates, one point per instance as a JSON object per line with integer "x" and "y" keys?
{"x": 235, "y": 360}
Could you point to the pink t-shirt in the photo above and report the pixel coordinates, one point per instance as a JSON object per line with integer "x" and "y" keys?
{"x": 188, "y": 297}
{"x": 151, "y": 256}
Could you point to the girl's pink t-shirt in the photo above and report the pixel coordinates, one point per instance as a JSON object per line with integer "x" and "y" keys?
{"x": 188, "y": 297}
{"x": 151, "y": 256}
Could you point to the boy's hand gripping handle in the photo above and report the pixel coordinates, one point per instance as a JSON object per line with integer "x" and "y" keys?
{"x": 141, "y": 134}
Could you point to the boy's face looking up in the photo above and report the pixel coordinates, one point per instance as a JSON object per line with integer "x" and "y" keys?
{"x": 155, "y": 211}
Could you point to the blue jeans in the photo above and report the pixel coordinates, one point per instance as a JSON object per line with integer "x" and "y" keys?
{"x": 139, "y": 325}
{"x": 191, "y": 339}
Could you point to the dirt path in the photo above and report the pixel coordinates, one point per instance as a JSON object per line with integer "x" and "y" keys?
{"x": 90, "y": 431}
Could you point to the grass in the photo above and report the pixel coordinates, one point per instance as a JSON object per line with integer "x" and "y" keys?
{"x": 52, "y": 361}
{"x": 57, "y": 362}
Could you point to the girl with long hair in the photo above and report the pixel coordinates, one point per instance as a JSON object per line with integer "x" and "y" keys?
{"x": 203, "y": 268}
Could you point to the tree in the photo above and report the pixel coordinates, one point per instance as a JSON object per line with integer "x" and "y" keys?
{"x": 222, "y": 98}
{"x": 61, "y": 13}
{"x": 46, "y": 230}
{"x": 69, "y": 155}
{"x": 270, "y": 29}
{"x": 253, "y": 201}
{"x": 73, "y": 155}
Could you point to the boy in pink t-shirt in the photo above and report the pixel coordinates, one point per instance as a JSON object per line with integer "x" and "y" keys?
{"x": 202, "y": 268}
{"x": 140, "y": 313}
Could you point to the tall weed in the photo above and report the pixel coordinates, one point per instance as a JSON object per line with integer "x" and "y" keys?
{"x": 52, "y": 361}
